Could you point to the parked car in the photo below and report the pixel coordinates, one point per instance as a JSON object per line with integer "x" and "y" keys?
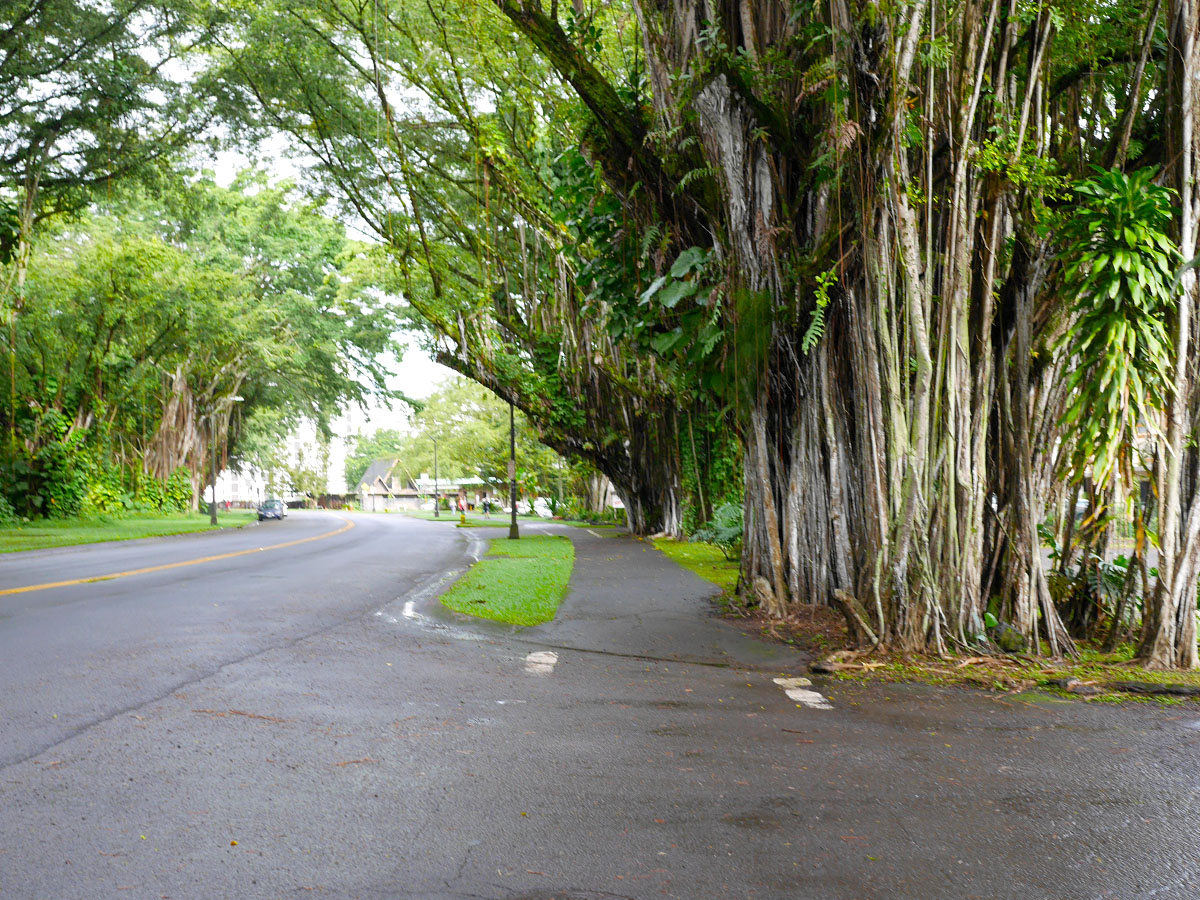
{"x": 272, "y": 509}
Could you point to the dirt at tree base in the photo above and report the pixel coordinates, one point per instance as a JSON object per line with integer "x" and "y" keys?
{"x": 815, "y": 631}
{"x": 820, "y": 632}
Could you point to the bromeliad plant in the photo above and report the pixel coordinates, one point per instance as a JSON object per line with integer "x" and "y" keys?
{"x": 1119, "y": 267}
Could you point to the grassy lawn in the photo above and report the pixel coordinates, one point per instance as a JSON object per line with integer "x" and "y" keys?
{"x": 474, "y": 519}
{"x": 498, "y": 520}
{"x": 519, "y": 582}
{"x": 68, "y": 532}
{"x": 706, "y": 560}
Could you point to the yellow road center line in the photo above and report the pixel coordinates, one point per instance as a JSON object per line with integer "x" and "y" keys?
{"x": 176, "y": 565}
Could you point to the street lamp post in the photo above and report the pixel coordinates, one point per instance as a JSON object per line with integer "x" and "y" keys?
{"x": 436, "y": 513}
{"x": 513, "y": 533}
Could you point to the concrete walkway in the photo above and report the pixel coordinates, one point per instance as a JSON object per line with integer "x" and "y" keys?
{"x": 627, "y": 598}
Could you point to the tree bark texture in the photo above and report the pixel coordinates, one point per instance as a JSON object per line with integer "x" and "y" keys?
{"x": 873, "y": 457}
{"x": 1169, "y": 633}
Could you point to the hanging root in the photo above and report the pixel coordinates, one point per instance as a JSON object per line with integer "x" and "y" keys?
{"x": 768, "y": 599}
{"x": 856, "y": 618}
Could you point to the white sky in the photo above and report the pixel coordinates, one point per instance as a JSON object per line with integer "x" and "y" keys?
{"x": 416, "y": 375}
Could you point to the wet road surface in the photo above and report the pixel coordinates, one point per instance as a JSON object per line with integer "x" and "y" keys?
{"x": 305, "y": 723}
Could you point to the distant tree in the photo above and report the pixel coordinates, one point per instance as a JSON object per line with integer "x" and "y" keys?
{"x": 308, "y": 473}
{"x": 159, "y": 323}
{"x": 471, "y": 427}
{"x": 89, "y": 95}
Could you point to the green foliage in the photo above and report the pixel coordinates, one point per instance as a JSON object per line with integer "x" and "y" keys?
{"x": 247, "y": 292}
{"x": 610, "y": 258}
{"x": 54, "y": 480}
{"x": 148, "y": 492}
{"x": 105, "y": 494}
{"x": 1040, "y": 177}
{"x": 1119, "y": 264}
{"x": 62, "y": 478}
{"x": 177, "y": 492}
{"x": 725, "y": 530}
{"x": 8, "y": 515}
{"x": 711, "y": 460}
{"x": 678, "y": 314}
{"x": 576, "y": 510}
{"x": 10, "y": 232}
{"x": 816, "y": 327}
{"x": 90, "y": 93}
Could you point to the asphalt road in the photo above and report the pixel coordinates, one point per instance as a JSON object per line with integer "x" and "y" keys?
{"x": 302, "y": 722}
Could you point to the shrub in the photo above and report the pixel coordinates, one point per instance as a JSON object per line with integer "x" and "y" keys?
{"x": 63, "y": 475}
{"x": 148, "y": 492}
{"x": 8, "y": 515}
{"x": 724, "y": 530}
{"x": 178, "y": 490}
{"x": 19, "y": 479}
{"x": 105, "y": 494}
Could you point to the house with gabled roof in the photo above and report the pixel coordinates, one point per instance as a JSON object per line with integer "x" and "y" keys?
{"x": 384, "y": 487}
{"x": 387, "y": 486}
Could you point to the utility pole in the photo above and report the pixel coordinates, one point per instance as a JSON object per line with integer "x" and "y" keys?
{"x": 436, "y": 513}
{"x": 513, "y": 533}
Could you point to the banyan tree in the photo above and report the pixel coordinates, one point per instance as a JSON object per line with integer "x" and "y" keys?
{"x": 884, "y": 187}
{"x": 838, "y": 233}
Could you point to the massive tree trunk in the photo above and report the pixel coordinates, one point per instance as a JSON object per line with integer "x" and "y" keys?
{"x": 630, "y": 436}
{"x": 1029, "y": 404}
{"x": 867, "y": 469}
{"x": 597, "y": 493}
{"x": 1169, "y": 635}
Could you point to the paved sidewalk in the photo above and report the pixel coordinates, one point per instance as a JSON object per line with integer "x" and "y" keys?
{"x": 626, "y": 597}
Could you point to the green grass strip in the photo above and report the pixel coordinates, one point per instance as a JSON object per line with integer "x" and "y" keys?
{"x": 473, "y": 518}
{"x": 520, "y": 582}
{"x": 706, "y": 560}
{"x": 44, "y": 534}
{"x": 497, "y": 519}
